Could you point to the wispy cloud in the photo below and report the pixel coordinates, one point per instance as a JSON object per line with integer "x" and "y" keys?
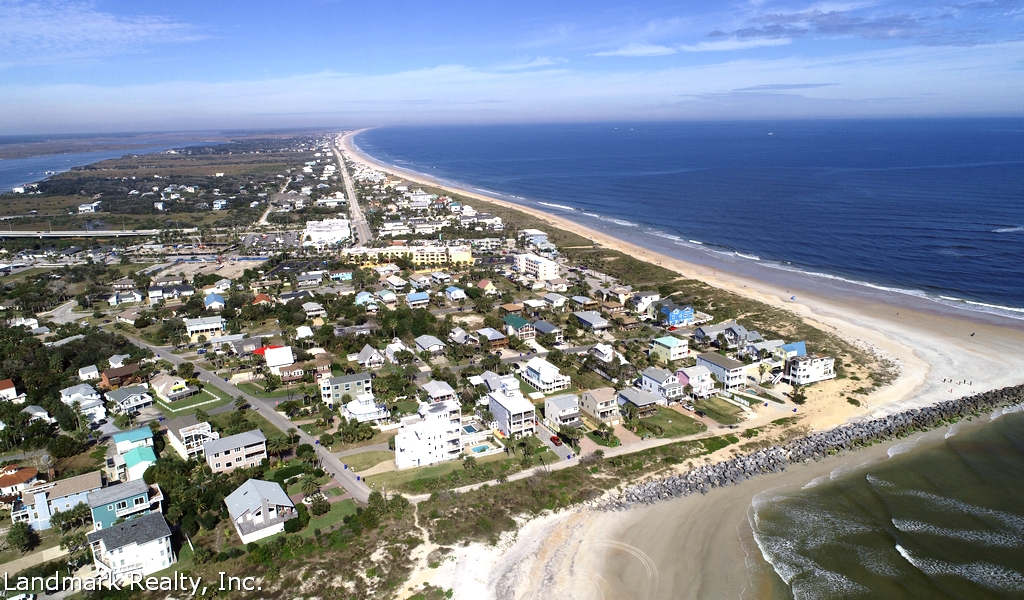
{"x": 734, "y": 44}
{"x": 46, "y": 32}
{"x": 636, "y": 49}
{"x": 781, "y": 87}
{"x": 535, "y": 63}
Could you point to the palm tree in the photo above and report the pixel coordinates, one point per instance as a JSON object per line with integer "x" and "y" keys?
{"x": 291, "y": 435}
{"x": 277, "y": 446}
{"x": 308, "y": 485}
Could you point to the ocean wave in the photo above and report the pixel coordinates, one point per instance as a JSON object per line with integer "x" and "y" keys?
{"x": 622, "y": 222}
{"x": 991, "y": 576}
{"x": 552, "y": 205}
{"x": 953, "y": 430}
{"x": 1008, "y": 230}
{"x": 904, "y": 447}
{"x": 747, "y": 256}
{"x": 998, "y": 539}
{"x": 1004, "y": 519}
{"x": 1006, "y": 411}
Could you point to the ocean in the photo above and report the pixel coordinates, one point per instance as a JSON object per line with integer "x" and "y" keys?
{"x": 944, "y": 519}
{"x": 928, "y": 208}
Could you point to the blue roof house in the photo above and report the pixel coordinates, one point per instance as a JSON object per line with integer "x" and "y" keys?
{"x": 214, "y": 302}
{"x": 795, "y": 349}
{"x": 417, "y": 299}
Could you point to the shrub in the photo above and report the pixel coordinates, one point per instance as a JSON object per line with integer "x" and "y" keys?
{"x": 319, "y": 506}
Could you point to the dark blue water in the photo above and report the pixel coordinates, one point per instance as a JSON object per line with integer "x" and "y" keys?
{"x": 934, "y": 207}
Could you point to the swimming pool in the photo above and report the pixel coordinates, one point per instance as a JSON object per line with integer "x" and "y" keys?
{"x": 483, "y": 448}
{"x": 470, "y": 429}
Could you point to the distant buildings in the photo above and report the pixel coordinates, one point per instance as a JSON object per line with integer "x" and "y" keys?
{"x": 328, "y": 232}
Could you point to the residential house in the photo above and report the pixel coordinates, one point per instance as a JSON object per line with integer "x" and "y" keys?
{"x": 309, "y": 280}
{"x": 89, "y": 373}
{"x": 213, "y": 302}
{"x": 332, "y": 389}
{"x": 600, "y": 405}
{"x": 556, "y": 285}
{"x": 396, "y": 283}
{"x": 119, "y": 376}
{"x": 90, "y": 404}
{"x": 544, "y": 376}
{"x": 38, "y": 503}
{"x": 440, "y": 278}
{"x": 514, "y": 415}
{"x": 434, "y": 435}
{"x": 187, "y": 435}
{"x": 661, "y": 382}
{"x": 419, "y": 281}
{"x": 14, "y": 479}
{"x": 204, "y": 326}
{"x": 583, "y": 302}
{"x": 417, "y": 299}
{"x": 132, "y": 465}
{"x": 118, "y": 360}
{"x": 735, "y": 335}
{"x": 510, "y": 309}
{"x": 439, "y": 391}
{"x": 545, "y": 328}
{"x": 429, "y": 344}
{"x": 606, "y": 353}
{"x": 454, "y": 294}
{"x": 591, "y": 320}
{"x": 365, "y": 408}
{"x": 313, "y": 310}
{"x": 262, "y": 300}
{"x": 133, "y": 549}
{"x": 387, "y": 297}
{"x": 123, "y": 501}
{"x": 370, "y": 358}
{"x": 171, "y": 388}
{"x": 642, "y": 301}
{"x": 239, "y": 451}
{"x": 123, "y": 297}
{"x": 562, "y": 410}
{"x": 811, "y": 368}
{"x": 667, "y": 349}
{"x": 699, "y": 379}
{"x": 495, "y": 338}
{"x": 519, "y": 327}
{"x": 38, "y": 413}
{"x": 487, "y": 287}
{"x": 9, "y": 392}
{"x": 613, "y": 309}
{"x": 730, "y": 373}
{"x": 130, "y": 399}
{"x": 674, "y": 315}
{"x": 645, "y": 402}
{"x": 396, "y": 346}
{"x": 462, "y": 337}
{"x": 279, "y": 358}
{"x": 259, "y": 509}
{"x": 140, "y": 437}
{"x": 123, "y": 285}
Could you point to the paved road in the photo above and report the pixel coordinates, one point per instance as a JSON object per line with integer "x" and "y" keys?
{"x": 270, "y": 205}
{"x": 62, "y": 314}
{"x": 330, "y": 463}
{"x": 359, "y": 224}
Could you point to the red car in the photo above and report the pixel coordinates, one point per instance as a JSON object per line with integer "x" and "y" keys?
{"x": 556, "y": 440}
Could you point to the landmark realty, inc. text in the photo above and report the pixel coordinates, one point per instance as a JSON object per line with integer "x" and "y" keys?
{"x": 131, "y": 581}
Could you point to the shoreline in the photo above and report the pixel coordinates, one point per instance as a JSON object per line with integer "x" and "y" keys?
{"x": 932, "y": 344}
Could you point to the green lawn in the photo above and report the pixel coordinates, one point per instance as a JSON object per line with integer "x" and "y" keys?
{"x": 674, "y": 424}
{"x": 339, "y": 510}
{"x": 407, "y": 408}
{"x": 258, "y": 390}
{"x": 209, "y": 394}
{"x": 417, "y": 480}
{"x": 600, "y": 441}
{"x": 365, "y": 460}
{"x": 296, "y": 488}
{"x": 379, "y": 437}
{"x": 312, "y": 429}
{"x": 220, "y": 420}
{"x": 720, "y": 410}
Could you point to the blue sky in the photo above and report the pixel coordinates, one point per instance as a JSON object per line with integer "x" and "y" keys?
{"x": 108, "y": 66}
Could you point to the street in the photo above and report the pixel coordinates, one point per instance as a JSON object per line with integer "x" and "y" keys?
{"x": 359, "y": 224}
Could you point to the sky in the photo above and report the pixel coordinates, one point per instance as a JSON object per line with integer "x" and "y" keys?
{"x": 73, "y": 66}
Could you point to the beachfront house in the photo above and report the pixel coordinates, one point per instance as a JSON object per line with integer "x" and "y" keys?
{"x": 811, "y": 368}
{"x": 645, "y": 402}
{"x": 123, "y": 501}
{"x": 188, "y": 434}
{"x": 600, "y": 405}
{"x": 433, "y": 435}
{"x": 732, "y": 374}
{"x": 333, "y": 389}
{"x": 562, "y": 410}
{"x": 661, "y": 382}
{"x": 133, "y": 549}
{"x": 259, "y": 509}
{"x": 514, "y": 415}
{"x": 698, "y": 377}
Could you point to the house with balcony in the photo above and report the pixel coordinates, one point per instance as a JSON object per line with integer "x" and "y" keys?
{"x": 810, "y": 368}
{"x": 369, "y": 358}
{"x": 119, "y": 376}
{"x": 332, "y": 389}
{"x": 591, "y": 321}
{"x": 562, "y": 410}
{"x": 545, "y": 328}
{"x": 734, "y": 334}
{"x": 645, "y": 402}
{"x": 433, "y": 435}
{"x": 14, "y": 479}
{"x": 429, "y": 344}
{"x": 38, "y": 413}
{"x": 39, "y": 502}
{"x": 514, "y": 415}
{"x": 133, "y": 549}
{"x": 661, "y": 382}
{"x": 205, "y": 326}
{"x": 519, "y": 327}
{"x": 732, "y": 374}
{"x": 365, "y": 409}
{"x": 544, "y": 376}
{"x": 314, "y": 310}
{"x": 187, "y": 435}
{"x": 130, "y": 399}
{"x": 454, "y": 294}
{"x": 557, "y": 302}
{"x": 600, "y": 405}
{"x": 141, "y": 437}
{"x": 461, "y": 337}
{"x": 495, "y": 338}
{"x": 417, "y": 299}
{"x": 675, "y": 315}
{"x": 699, "y": 379}
{"x": 239, "y": 451}
{"x": 90, "y": 404}
{"x": 124, "y": 501}
{"x": 132, "y": 464}
{"x": 667, "y": 349}
{"x": 171, "y": 388}
{"x": 439, "y": 391}
{"x": 259, "y": 509}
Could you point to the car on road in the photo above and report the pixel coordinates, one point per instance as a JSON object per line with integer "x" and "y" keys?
{"x": 101, "y": 422}
{"x": 701, "y": 414}
{"x": 201, "y": 351}
{"x": 556, "y": 440}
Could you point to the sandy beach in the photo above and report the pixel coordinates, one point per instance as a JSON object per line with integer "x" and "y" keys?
{"x": 691, "y": 548}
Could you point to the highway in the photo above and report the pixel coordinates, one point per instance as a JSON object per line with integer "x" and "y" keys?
{"x": 265, "y": 407}
{"x": 83, "y": 233}
{"x": 359, "y": 224}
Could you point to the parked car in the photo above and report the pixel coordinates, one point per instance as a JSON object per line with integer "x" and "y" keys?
{"x": 689, "y": 407}
{"x": 701, "y": 414}
{"x": 201, "y": 351}
{"x": 556, "y": 440}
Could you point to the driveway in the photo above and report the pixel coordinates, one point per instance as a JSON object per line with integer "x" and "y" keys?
{"x": 545, "y": 434}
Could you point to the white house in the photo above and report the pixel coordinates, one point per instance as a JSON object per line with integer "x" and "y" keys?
{"x": 279, "y": 357}
{"x": 430, "y": 344}
{"x": 187, "y": 435}
{"x": 38, "y": 413}
{"x": 89, "y": 373}
{"x": 10, "y": 393}
{"x": 132, "y": 549}
{"x": 432, "y": 436}
{"x": 439, "y": 391}
{"x": 207, "y": 326}
{"x": 661, "y": 382}
{"x": 536, "y": 267}
{"x": 544, "y": 376}
{"x": 730, "y": 373}
{"x": 811, "y": 368}
{"x": 454, "y": 294}
{"x": 130, "y": 399}
{"x": 699, "y": 379}
{"x": 259, "y": 509}
{"x": 313, "y": 310}
{"x": 514, "y": 415}
{"x": 369, "y": 358}
{"x": 563, "y": 409}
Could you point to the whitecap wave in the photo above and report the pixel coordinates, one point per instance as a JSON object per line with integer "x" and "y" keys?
{"x": 998, "y": 539}
{"x": 1008, "y": 230}
{"x": 1006, "y": 411}
{"x": 553, "y": 205}
{"x": 747, "y": 256}
{"x": 991, "y": 576}
{"x": 904, "y": 447}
